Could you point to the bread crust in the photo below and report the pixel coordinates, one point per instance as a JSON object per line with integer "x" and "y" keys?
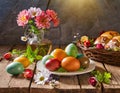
{"x": 106, "y": 37}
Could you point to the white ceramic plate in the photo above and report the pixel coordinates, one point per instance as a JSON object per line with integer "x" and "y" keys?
{"x": 91, "y": 67}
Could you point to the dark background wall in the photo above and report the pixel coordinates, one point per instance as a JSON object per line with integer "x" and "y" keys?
{"x": 86, "y": 17}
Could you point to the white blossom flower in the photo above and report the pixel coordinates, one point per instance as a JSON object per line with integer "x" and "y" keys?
{"x": 41, "y": 77}
{"x": 24, "y": 38}
{"x": 33, "y": 11}
{"x": 54, "y": 83}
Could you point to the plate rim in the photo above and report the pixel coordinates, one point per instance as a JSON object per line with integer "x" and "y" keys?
{"x": 87, "y": 70}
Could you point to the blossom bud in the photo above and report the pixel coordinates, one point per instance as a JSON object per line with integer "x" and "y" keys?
{"x": 92, "y": 81}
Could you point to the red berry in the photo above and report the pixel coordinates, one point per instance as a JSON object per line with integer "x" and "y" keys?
{"x": 28, "y": 73}
{"x": 99, "y": 46}
{"x": 7, "y": 55}
{"x": 87, "y": 44}
{"x": 92, "y": 81}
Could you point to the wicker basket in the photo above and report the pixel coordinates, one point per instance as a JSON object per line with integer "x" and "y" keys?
{"x": 101, "y": 55}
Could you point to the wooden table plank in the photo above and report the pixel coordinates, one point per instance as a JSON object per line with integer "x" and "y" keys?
{"x": 41, "y": 88}
{"x": 72, "y": 84}
{"x": 114, "y": 86}
{"x": 4, "y": 77}
{"x": 19, "y": 83}
{"x": 34, "y": 88}
{"x": 69, "y": 84}
{"x": 85, "y": 86}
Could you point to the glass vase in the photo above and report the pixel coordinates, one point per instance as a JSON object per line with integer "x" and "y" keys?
{"x": 38, "y": 41}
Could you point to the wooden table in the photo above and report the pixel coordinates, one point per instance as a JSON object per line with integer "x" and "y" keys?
{"x": 72, "y": 84}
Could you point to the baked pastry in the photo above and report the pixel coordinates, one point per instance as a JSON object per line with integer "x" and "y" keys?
{"x": 106, "y": 37}
{"x": 113, "y": 44}
{"x": 112, "y": 33}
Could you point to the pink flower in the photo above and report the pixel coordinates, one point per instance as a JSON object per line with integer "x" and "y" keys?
{"x": 53, "y": 17}
{"x": 33, "y": 11}
{"x": 51, "y": 14}
{"x": 42, "y": 21}
{"x": 36, "y": 19}
{"x": 56, "y": 22}
{"x": 23, "y": 18}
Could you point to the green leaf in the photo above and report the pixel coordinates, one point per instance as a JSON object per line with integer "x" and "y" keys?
{"x": 17, "y": 52}
{"x": 61, "y": 70}
{"x": 36, "y": 51}
{"x": 99, "y": 76}
{"x": 107, "y": 77}
{"x": 29, "y": 53}
{"x": 31, "y": 22}
{"x": 81, "y": 69}
{"x": 34, "y": 29}
{"x": 39, "y": 57}
{"x": 33, "y": 55}
{"x": 31, "y": 59}
{"x": 102, "y": 77}
{"x": 92, "y": 42}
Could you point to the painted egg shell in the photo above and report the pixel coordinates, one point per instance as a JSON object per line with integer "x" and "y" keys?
{"x": 84, "y": 62}
{"x": 45, "y": 58}
{"x": 15, "y": 68}
{"x": 71, "y": 50}
{"x": 79, "y": 55}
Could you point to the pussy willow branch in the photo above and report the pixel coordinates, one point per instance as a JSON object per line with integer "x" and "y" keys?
{"x": 48, "y": 4}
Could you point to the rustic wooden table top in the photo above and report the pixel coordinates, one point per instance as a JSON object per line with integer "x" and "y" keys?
{"x": 72, "y": 84}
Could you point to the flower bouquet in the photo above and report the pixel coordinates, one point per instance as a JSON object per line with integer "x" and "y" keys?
{"x": 36, "y": 22}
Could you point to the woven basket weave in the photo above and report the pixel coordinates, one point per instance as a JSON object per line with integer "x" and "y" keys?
{"x": 102, "y": 55}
